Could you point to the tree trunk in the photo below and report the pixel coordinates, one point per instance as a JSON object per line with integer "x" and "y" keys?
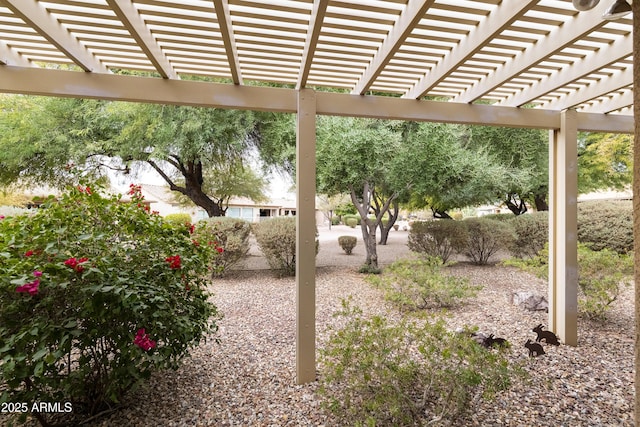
{"x": 192, "y": 173}
{"x": 516, "y": 204}
{"x": 438, "y": 214}
{"x": 368, "y": 226}
{"x": 393, "y": 217}
{"x": 540, "y": 201}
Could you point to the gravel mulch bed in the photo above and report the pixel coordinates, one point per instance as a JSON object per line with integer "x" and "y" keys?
{"x": 248, "y": 377}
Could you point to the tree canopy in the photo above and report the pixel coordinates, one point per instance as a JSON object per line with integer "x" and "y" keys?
{"x": 186, "y": 145}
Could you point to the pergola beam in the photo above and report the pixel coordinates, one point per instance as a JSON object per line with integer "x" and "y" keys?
{"x": 138, "y": 29}
{"x": 226, "y": 31}
{"x": 38, "y": 81}
{"x": 600, "y": 59}
{"x": 8, "y": 56}
{"x": 615, "y": 103}
{"x": 313, "y": 33}
{"x": 494, "y": 24}
{"x": 409, "y": 18}
{"x": 566, "y": 34}
{"x": 615, "y": 81}
{"x": 48, "y": 27}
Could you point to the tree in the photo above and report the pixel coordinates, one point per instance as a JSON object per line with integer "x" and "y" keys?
{"x": 330, "y": 204}
{"x": 442, "y": 172}
{"x": 526, "y": 153}
{"x": 226, "y": 180}
{"x": 41, "y": 135}
{"x": 604, "y": 161}
{"x": 353, "y": 157}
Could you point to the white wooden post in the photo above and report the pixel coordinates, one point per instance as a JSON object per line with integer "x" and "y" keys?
{"x": 563, "y": 230}
{"x": 305, "y": 237}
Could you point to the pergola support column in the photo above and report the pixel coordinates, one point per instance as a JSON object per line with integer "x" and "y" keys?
{"x": 306, "y": 237}
{"x": 563, "y": 229}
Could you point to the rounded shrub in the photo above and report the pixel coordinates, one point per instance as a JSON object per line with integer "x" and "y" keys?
{"x": 380, "y": 372}
{"x": 417, "y": 284}
{"x": 351, "y": 221}
{"x": 438, "y": 238}
{"x": 230, "y": 236}
{"x": 276, "y": 239}
{"x": 532, "y": 233}
{"x": 347, "y": 243}
{"x": 94, "y": 296}
{"x": 606, "y": 224}
{"x": 486, "y": 237}
{"x": 178, "y": 218}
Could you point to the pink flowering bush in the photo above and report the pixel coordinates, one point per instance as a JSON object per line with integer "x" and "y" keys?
{"x": 96, "y": 294}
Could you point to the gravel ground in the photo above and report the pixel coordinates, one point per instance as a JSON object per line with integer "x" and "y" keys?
{"x": 248, "y": 377}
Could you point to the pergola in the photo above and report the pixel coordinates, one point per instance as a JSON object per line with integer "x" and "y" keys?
{"x": 519, "y": 63}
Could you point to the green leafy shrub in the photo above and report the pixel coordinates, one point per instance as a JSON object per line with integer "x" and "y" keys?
{"x": 335, "y": 220}
{"x": 373, "y": 372}
{"x": 499, "y": 216}
{"x": 486, "y": 238}
{"x": 438, "y": 238}
{"x": 231, "y": 236}
{"x": 95, "y": 295}
{"x": 369, "y": 269}
{"x": 350, "y": 220}
{"x": 606, "y": 224}
{"x": 602, "y": 275}
{"x": 419, "y": 284}
{"x": 276, "y": 239}
{"x": 347, "y": 243}
{"x": 178, "y": 218}
{"x": 532, "y": 233}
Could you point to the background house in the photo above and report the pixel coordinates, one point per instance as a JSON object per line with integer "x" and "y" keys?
{"x": 162, "y": 200}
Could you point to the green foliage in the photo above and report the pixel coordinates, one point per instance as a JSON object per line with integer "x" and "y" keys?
{"x": 438, "y": 238}
{"x": 602, "y": 274}
{"x": 346, "y": 208}
{"x": 178, "y": 219}
{"x": 408, "y": 373}
{"x": 444, "y": 172}
{"x": 276, "y": 239}
{"x": 499, "y": 217}
{"x": 604, "y": 161}
{"x": 95, "y": 295}
{"x": 230, "y": 236}
{"x": 486, "y": 238}
{"x": 350, "y": 221}
{"x": 606, "y": 224}
{"x": 369, "y": 269}
{"x": 198, "y": 151}
{"x": 419, "y": 284}
{"x": 523, "y": 152}
{"x": 532, "y": 234}
{"x": 347, "y": 243}
{"x": 537, "y": 265}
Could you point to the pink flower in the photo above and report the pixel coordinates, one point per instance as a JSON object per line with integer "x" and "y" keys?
{"x": 37, "y": 273}
{"x": 143, "y": 341}
{"x": 174, "y": 262}
{"x": 2, "y": 217}
{"x": 29, "y": 253}
{"x": 31, "y": 288}
{"x": 76, "y": 264}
